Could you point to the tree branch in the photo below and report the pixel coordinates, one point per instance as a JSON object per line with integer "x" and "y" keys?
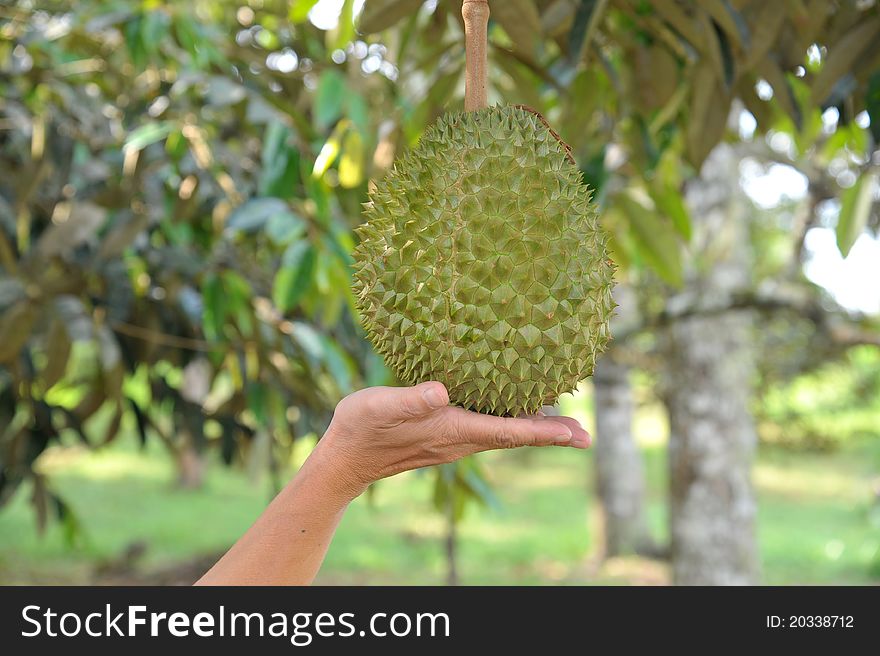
{"x": 841, "y": 328}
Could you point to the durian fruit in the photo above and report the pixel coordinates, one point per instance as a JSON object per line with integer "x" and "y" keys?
{"x": 482, "y": 265}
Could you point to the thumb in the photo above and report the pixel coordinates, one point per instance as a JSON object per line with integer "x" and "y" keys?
{"x": 419, "y": 400}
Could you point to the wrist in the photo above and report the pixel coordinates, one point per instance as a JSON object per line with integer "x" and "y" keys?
{"x": 338, "y": 476}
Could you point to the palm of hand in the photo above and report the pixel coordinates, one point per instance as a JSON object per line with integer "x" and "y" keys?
{"x": 381, "y": 431}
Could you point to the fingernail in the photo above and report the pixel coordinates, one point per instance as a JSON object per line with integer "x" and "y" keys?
{"x": 581, "y": 442}
{"x": 564, "y": 437}
{"x": 433, "y": 397}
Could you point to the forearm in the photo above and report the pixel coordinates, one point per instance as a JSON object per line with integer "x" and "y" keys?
{"x": 288, "y": 542}
{"x": 376, "y": 432}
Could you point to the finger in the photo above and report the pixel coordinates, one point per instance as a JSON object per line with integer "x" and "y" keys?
{"x": 504, "y": 432}
{"x": 580, "y": 438}
{"x": 417, "y": 401}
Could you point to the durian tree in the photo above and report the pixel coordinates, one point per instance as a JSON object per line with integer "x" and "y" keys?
{"x": 174, "y": 262}
{"x": 712, "y": 536}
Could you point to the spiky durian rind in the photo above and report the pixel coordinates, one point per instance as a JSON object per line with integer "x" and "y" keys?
{"x": 481, "y": 264}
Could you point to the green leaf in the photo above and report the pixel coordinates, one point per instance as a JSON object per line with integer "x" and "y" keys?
{"x": 156, "y": 24}
{"x": 768, "y": 21}
{"x": 57, "y": 353}
{"x": 148, "y": 134}
{"x": 351, "y": 164}
{"x": 730, "y": 20}
{"x": 707, "y": 115}
{"x": 670, "y": 203}
{"x": 443, "y": 482}
{"x": 253, "y": 215}
{"x": 214, "y": 307}
{"x": 294, "y": 276}
{"x": 280, "y": 162}
{"x": 284, "y": 227}
{"x": 299, "y": 10}
{"x": 317, "y": 191}
{"x": 713, "y": 50}
{"x": 72, "y": 528}
{"x": 681, "y": 21}
{"x": 339, "y": 364}
{"x": 657, "y": 76}
{"x": 849, "y": 136}
{"x": 329, "y": 151}
{"x": 855, "y": 208}
{"x": 653, "y": 238}
{"x": 184, "y": 29}
{"x": 176, "y": 145}
{"x": 340, "y": 244}
{"x": 666, "y": 192}
{"x": 475, "y": 478}
{"x": 843, "y": 54}
{"x": 238, "y": 294}
{"x": 378, "y": 15}
{"x": 308, "y": 339}
{"x": 15, "y": 328}
{"x": 345, "y": 29}
{"x": 521, "y": 21}
{"x": 728, "y": 63}
{"x": 358, "y": 111}
{"x": 458, "y": 483}
{"x": 329, "y": 99}
{"x": 783, "y": 92}
{"x": 135, "y": 43}
{"x": 586, "y": 17}
{"x": 257, "y": 400}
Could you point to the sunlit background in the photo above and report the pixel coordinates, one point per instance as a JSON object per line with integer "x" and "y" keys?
{"x": 199, "y": 169}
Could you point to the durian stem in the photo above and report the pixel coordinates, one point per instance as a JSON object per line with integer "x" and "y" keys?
{"x": 476, "y": 19}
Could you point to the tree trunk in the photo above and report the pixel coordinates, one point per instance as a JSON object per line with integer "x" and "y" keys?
{"x": 620, "y": 475}
{"x": 710, "y": 452}
{"x": 619, "y": 470}
{"x": 709, "y": 371}
{"x": 190, "y": 466}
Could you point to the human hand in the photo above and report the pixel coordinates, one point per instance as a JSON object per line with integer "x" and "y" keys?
{"x": 381, "y": 431}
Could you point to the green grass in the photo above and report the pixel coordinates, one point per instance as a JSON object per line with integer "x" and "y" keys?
{"x": 818, "y": 521}
{"x": 819, "y": 516}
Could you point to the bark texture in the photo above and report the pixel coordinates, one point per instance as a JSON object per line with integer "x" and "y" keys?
{"x": 619, "y": 469}
{"x": 709, "y": 373}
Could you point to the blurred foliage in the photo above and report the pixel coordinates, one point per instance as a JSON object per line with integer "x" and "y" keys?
{"x": 821, "y": 410}
{"x": 167, "y": 248}
{"x": 179, "y": 181}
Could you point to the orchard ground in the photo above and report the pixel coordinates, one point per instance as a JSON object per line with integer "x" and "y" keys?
{"x": 819, "y": 520}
